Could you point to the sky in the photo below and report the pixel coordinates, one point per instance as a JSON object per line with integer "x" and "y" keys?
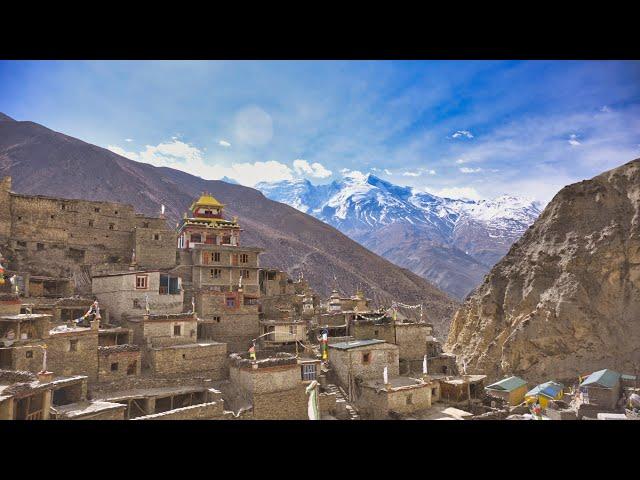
{"x": 474, "y": 129}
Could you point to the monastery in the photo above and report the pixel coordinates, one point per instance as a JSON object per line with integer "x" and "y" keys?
{"x": 109, "y": 314}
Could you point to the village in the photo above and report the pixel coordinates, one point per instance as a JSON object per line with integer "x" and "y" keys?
{"x": 108, "y": 314}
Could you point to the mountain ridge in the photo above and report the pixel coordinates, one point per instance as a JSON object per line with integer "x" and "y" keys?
{"x": 451, "y": 242}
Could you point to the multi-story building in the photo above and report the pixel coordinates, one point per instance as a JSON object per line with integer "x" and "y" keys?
{"x": 221, "y": 276}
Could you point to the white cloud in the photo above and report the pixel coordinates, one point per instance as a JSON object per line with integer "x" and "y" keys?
{"x": 455, "y": 192}
{"x": 185, "y": 157}
{"x": 462, "y": 133}
{"x": 128, "y": 139}
{"x": 573, "y": 140}
{"x": 411, "y": 174}
{"x": 224, "y": 143}
{"x": 460, "y": 161}
{"x": 605, "y": 109}
{"x": 470, "y": 170}
{"x": 315, "y": 170}
{"x": 355, "y": 174}
{"x": 253, "y": 127}
{"x": 388, "y": 172}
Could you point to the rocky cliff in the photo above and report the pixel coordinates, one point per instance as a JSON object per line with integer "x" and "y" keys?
{"x": 565, "y": 300}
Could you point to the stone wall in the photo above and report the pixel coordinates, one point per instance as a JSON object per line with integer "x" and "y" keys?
{"x": 57, "y": 237}
{"x": 202, "y": 411}
{"x": 363, "y": 330}
{"x": 74, "y": 353}
{"x": 127, "y": 362}
{"x": 290, "y": 404}
{"x": 411, "y": 339}
{"x": 377, "y": 405}
{"x": 208, "y": 359}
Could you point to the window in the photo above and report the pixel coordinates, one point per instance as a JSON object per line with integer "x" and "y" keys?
{"x": 366, "y": 358}
{"x": 73, "y": 345}
{"x": 136, "y": 303}
{"x": 116, "y": 212}
{"x": 196, "y": 238}
{"x": 309, "y": 372}
{"x": 217, "y": 319}
{"x": 114, "y": 367}
{"x": 215, "y": 273}
{"x": 28, "y": 354}
{"x": 216, "y": 256}
{"x": 176, "y": 330}
{"x": 145, "y": 225}
{"x": 22, "y": 244}
{"x": 40, "y": 246}
{"x": 244, "y": 258}
{"x": 433, "y": 392}
{"x": 409, "y": 400}
{"x": 245, "y": 274}
{"x": 97, "y": 209}
{"x": 156, "y": 236}
{"x": 91, "y": 223}
{"x": 250, "y": 301}
{"x": 112, "y": 226}
{"x": 293, "y": 329}
{"x": 132, "y": 367}
{"x": 375, "y": 333}
{"x": 141, "y": 282}
{"x": 231, "y": 302}
{"x": 52, "y": 217}
{"x": 63, "y": 207}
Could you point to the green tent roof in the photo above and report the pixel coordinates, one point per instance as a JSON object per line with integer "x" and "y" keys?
{"x": 603, "y": 378}
{"x": 507, "y": 384}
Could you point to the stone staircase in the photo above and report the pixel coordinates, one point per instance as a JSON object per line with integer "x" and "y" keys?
{"x": 343, "y": 407}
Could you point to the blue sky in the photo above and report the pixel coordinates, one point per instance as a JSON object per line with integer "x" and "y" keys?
{"x": 458, "y": 128}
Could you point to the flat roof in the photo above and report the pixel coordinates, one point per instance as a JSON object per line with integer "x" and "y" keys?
{"x": 87, "y": 407}
{"x": 356, "y": 344}
{"x": 24, "y": 316}
{"x": 396, "y": 383}
{"x": 128, "y": 272}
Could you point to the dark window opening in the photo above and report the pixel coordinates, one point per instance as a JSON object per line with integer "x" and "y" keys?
{"x": 231, "y": 302}
{"x": 131, "y": 368}
{"x": 217, "y": 319}
{"x": 112, "y": 226}
{"x": 29, "y": 354}
{"x": 156, "y": 236}
{"x": 91, "y": 223}
{"x": 73, "y": 345}
{"x": 114, "y": 367}
{"x": 40, "y": 246}
{"x": 176, "y": 330}
{"x": 366, "y": 358}
{"x": 96, "y": 209}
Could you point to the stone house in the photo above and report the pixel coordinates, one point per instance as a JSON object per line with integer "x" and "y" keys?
{"x": 272, "y": 385}
{"x": 401, "y": 396}
{"x": 357, "y": 361}
{"x": 126, "y": 293}
{"x": 58, "y": 237}
{"x": 170, "y": 346}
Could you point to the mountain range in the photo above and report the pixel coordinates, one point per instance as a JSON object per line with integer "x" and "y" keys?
{"x": 44, "y": 162}
{"x": 452, "y": 243}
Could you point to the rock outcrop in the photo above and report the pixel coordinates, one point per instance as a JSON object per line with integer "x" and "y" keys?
{"x": 565, "y": 300}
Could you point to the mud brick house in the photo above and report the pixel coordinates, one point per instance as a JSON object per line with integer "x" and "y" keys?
{"x": 359, "y": 360}
{"x": 272, "y": 385}
{"x": 62, "y": 310}
{"x": 458, "y": 389}
{"x": 127, "y": 293}
{"x": 170, "y": 346}
{"x": 22, "y": 338}
{"x": 219, "y": 274}
{"x": 401, "y": 396}
{"x": 66, "y": 238}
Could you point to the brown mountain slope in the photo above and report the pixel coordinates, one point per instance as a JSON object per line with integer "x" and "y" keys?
{"x": 565, "y": 300}
{"x": 42, "y": 161}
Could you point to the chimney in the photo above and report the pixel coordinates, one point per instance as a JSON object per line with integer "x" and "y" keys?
{"x": 45, "y": 376}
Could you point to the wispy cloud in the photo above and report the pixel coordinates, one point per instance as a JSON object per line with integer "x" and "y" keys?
{"x": 224, "y": 143}
{"x": 573, "y": 140}
{"x": 470, "y": 170}
{"x": 462, "y": 134}
{"x": 128, "y": 139}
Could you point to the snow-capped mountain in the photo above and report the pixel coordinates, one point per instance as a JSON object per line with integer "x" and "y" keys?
{"x": 452, "y": 242}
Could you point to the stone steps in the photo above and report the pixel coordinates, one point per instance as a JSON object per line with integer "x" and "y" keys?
{"x": 341, "y": 401}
